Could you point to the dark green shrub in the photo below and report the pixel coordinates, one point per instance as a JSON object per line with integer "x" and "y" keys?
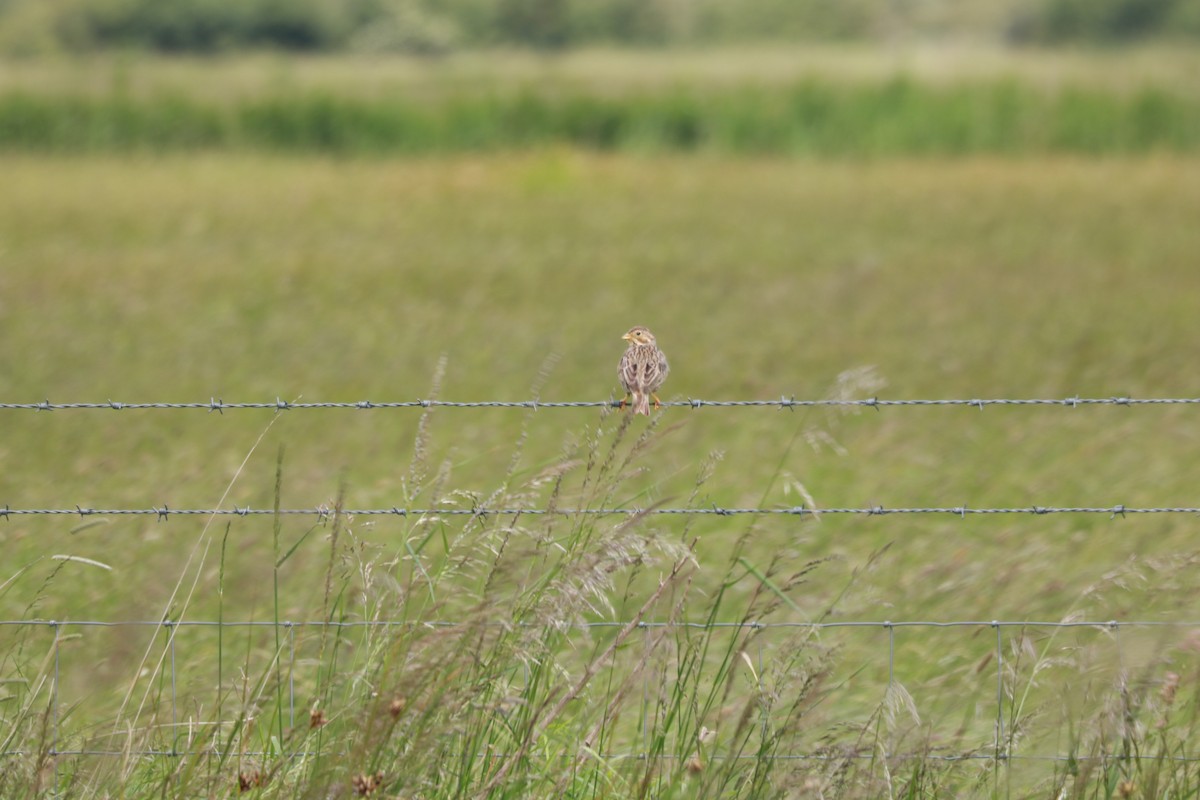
{"x": 1107, "y": 20}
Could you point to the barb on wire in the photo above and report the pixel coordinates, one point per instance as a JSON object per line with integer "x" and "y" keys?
{"x": 321, "y": 512}
{"x": 220, "y": 406}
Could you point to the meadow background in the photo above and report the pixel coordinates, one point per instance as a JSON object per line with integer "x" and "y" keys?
{"x": 473, "y": 201}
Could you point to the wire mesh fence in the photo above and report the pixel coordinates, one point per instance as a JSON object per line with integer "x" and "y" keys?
{"x": 1001, "y": 748}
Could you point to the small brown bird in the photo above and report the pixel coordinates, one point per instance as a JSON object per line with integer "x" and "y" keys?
{"x": 642, "y": 370}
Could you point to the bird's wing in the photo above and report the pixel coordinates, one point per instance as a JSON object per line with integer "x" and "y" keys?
{"x": 627, "y": 371}
{"x": 652, "y": 369}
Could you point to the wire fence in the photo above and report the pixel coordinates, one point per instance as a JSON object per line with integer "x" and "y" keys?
{"x": 1002, "y": 748}
{"x": 323, "y": 513}
{"x": 784, "y": 402}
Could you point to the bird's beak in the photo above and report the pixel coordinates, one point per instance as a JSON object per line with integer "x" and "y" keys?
{"x": 627, "y": 337}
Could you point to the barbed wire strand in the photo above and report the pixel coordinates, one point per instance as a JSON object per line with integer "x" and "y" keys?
{"x": 220, "y": 406}
{"x": 1110, "y": 624}
{"x": 323, "y": 512}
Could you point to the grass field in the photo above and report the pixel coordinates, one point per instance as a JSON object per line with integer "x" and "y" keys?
{"x": 251, "y": 278}
{"x": 611, "y": 71}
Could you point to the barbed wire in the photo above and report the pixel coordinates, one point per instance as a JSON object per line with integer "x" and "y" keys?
{"x": 1109, "y": 624}
{"x": 789, "y": 402}
{"x": 325, "y": 512}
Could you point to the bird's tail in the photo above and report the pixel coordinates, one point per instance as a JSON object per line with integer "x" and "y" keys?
{"x": 641, "y": 403}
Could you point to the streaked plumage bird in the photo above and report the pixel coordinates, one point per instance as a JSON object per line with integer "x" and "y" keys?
{"x": 642, "y": 370}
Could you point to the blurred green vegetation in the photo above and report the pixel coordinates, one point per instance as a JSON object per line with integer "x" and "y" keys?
{"x": 436, "y": 26}
{"x": 1107, "y": 20}
{"x": 899, "y": 116}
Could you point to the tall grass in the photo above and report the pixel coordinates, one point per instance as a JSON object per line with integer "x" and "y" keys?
{"x": 817, "y": 117}
{"x": 464, "y": 660}
{"x": 455, "y": 665}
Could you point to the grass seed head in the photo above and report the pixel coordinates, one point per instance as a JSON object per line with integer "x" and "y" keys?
{"x": 365, "y": 785}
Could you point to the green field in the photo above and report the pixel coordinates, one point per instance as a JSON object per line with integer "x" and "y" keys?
{"x": 906, "y": 101}
{"x": 251, "y": 277}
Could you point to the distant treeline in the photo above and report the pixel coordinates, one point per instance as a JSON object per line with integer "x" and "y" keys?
{"x": 432, "y": 26}
{"x": 897, "y": 117}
